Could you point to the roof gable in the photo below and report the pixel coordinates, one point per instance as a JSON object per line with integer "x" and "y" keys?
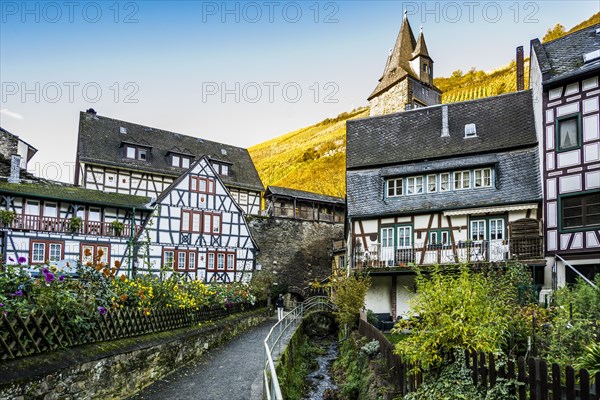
{"x": 502, "y": 122}
{"x": 100, "y": 140}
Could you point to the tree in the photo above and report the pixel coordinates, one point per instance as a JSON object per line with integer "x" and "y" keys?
{"x": 556, "y": 32}
{"x": 348, "y": 294}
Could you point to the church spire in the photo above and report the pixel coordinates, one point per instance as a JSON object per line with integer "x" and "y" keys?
{"x": 421, "y": 47}
{"x": 407, "y": 80}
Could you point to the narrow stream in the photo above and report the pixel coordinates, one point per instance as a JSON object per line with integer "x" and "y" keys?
{"x": 320, "y": 380}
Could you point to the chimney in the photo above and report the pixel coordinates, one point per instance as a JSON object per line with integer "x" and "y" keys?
{"x": 520, "y": 70}
{"x": 445, "y": 129}
{"x": 15, "y": 169}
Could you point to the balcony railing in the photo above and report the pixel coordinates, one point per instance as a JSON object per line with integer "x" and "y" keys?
{"x": 63, "y": 225}
{"x": 452, "y": 253}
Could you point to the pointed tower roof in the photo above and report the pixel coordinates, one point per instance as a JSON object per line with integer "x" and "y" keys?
{"x": 397, "y": 66}
{"x": 421, "y": 48}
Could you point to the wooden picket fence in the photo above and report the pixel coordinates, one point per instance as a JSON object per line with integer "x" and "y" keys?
{"x": 39, "y": 332}
{"x": 532, "y": 378}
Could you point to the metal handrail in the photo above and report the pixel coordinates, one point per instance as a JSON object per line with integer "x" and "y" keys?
{"x": 291, "y": 320}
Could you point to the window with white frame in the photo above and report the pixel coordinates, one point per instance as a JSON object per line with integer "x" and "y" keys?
{"x": 168, "y": 258}
{"x": 221, "y": 261}
{"x": 387, "y": 237}
{"x": 50, "y": 210}
{"x": 43, "y": 251}
{"x": 431, "y": 183}
{"x": 483, "y": 177}
{"x": 477, "y": 230}
{"x": 445, "y": 182}
{"x": 496, "y": 229}
{"x": 394, "y": 187}
{"x": 136, "y": 153}
{"x": 462, "y": 180}
{"x": 32, "y": 207}
{"x": 439, "y": 237}
{"x": 404, "y": 237}
{"x": 95, "y": 254}
{"x": 414, "y": 185}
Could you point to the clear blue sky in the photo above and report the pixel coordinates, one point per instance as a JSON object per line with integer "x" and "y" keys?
{"x": 234, "y": 72}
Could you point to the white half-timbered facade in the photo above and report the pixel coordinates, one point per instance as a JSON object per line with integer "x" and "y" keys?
{"x": 199, "y": 230}
{"x": 55, "y": 223}
{"x": 442, "y": 185}
{"x": 565, "y": 80}
{"x": 122, "y": 157}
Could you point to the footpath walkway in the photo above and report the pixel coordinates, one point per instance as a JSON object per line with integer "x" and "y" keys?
{"x": 231, "y": 372}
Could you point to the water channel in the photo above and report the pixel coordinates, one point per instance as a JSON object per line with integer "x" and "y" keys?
{"x": 320, "y": 381}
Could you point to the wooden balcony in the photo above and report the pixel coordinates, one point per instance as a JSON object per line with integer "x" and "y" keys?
{"x": 308, "y": 215}
{"x": 62, "y": 225}
{"x": 524, "y": 249}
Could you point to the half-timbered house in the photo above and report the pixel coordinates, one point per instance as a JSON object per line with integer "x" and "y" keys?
{"x": 564, "y": 78}
{"x": 51, "y": 222}
{"x": 442, "y": 185}
{"x": 123, "y": 157}
{"x": 197, "y": 229}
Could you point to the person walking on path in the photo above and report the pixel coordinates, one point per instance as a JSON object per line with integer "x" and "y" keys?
{"x": 279, "y": 305}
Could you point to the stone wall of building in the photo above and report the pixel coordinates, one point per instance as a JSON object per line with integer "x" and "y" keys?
{"x": 115, "y": 369}
{"x": 391, "y": 101}
{"x": 297, "y": 252}
{"x": 8, "y": 144}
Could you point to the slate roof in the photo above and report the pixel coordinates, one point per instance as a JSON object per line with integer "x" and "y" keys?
{"x": 64, "y": 192}
{"x": 563, "y": 58}
{"x": 502, "y": 122}
{"x": 303, "y": 195}
{"x": 517, "y": 181}
{"x": 100, "y": 142}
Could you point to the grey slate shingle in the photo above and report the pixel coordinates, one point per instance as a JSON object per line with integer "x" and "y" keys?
{"x": 563, "y": 57}
{"x": 517, "y": 181}
{"x": 100, "y": 143}
{"x": 503, "y": 122}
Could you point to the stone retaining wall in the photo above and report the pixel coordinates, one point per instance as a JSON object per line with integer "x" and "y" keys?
{"x": 115, "y": 369}
{"x": 297, "y": 251}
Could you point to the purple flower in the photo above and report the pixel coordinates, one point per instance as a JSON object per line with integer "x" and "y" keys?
{"x": 1, "y": 304}
{"x": 21, "y": 260}
{"x": 19, "y": 293}
{"x": 49, "y": 277}
{"x": 102, "y": 310}
{"x": 11, "y": 259}
{"x": 61, "y": 278}
{"x": 45, "y": 271}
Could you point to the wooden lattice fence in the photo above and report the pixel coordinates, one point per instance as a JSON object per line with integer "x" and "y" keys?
{"x": 39, "y": 332}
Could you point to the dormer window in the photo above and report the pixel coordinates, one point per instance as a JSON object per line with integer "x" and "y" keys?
{"x": 180, "y": 161}
{"x": 136, "y": 153}
{"x": 470, "y": 131}
{"x": 221, "y": 169}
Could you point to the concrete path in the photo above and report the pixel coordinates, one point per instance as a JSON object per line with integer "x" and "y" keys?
{"x": 231, "y": 372}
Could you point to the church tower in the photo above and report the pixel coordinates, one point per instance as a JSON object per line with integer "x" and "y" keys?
{"x": 407, "y": 80}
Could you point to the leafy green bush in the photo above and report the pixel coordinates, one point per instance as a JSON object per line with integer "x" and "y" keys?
{"x": 574, "y": 323}
{"x": 348, "y": 294}
{"x": 590, "y": 360}
{"x": 457, "y": 310}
